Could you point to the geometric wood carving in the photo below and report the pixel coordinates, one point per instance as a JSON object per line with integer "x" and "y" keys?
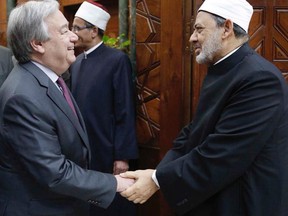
{"x": 281, "y": 22}
{"x": 280, "y": 52}
{"x": 148, "y": 32}
{"x": 257, "y": 21}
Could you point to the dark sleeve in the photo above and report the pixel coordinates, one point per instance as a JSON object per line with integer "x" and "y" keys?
{"x": 36, "y": 145}
{"x": 178, "y": 148}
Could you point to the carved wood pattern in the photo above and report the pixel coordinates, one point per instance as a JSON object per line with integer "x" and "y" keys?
{"x": 148, "y": 71}
{"x": 280, "y": 39}
{"x": 268, "y": 31}
{"x": 148, "y": 67}
{"x": 3, "y": 23}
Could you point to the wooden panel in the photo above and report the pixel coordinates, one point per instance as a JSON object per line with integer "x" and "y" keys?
{"x": 172, "y": 49}
{"x": 269, "y": 34}
{"x": 148, "y": 80}
{"x": 3, "y": 22}
{"x": 148, "y": 73}
{"x": 159, "y": 84}
{"x": 70, "y": 2}
{"x": 280, "y": 36}
{"x": 148, "y": 32}
{"x": 187, "y": 57}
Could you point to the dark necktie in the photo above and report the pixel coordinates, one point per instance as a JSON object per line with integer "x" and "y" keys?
{"x": 65, "y": 92}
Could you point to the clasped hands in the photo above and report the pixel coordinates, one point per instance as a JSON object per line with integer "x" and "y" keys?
{"x": 137, "y": 186}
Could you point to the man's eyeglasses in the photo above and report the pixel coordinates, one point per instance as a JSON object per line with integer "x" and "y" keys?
{"x": 79, "y": 28}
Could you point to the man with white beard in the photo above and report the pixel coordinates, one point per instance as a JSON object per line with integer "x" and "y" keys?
{"x": 232, "y": 159}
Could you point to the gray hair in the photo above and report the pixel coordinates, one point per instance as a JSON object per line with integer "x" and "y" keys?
{"x": 27, "y": 23}
{"x": 238, "y": 31}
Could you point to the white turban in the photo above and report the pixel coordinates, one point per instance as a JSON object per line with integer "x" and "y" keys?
{"x": 93, "y": 14}
{"x": 238, "y": 11}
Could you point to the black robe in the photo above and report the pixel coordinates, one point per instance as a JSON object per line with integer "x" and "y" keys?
{"x": 102, "y": 86}
{"x": 232, "y": 160}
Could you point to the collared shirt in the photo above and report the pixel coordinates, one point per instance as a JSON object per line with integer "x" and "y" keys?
{"x": 92, "y": 49}
{"x": 52, "y": 75}
{"x": 229, "y": 54}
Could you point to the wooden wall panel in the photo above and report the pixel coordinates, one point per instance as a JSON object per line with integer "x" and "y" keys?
{"x": 280, "y": 36}
{"x": 148, "y": 31}
{"x": 159, "y": 84}
{"x": 268, "y": 31}
{"x": 3, "y": 22}
{"x": 148, "y": 72}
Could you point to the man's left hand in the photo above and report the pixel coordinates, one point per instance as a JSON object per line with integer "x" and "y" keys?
{"x": 120, "y": 166}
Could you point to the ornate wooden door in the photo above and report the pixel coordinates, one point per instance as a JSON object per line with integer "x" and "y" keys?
{"x": 159, "y": 79}
{"x": 269, "y": 31}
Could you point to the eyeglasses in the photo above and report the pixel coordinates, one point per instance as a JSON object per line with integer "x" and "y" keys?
{"x": 79, "y": 28}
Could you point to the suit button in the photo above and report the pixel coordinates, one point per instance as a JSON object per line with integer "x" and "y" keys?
{"x": 94, "y": 202}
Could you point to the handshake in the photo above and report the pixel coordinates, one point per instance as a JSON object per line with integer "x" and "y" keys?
{"x": 137, "y": 186}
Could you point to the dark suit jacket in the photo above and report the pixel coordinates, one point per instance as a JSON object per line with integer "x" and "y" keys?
{"x": 6, "y": 63}
{"x": 44, "y": 151}
{"x": 102, "y": 87}
{"x": 232, "y": 159}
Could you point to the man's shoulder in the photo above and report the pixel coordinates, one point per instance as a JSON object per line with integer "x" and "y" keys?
{"x": 5, "y": 53}
{"x": 114, "y": 51}
{"x": 5, "y": 49}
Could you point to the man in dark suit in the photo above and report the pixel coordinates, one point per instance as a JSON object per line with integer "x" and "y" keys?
{"x": 101, "y": 83}
{"x": 44, "y": 148}
{"x": 232, "y": 159}
{"x": 6, "y": 63}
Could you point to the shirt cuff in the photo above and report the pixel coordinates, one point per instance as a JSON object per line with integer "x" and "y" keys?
{"x": 155, "y": 179}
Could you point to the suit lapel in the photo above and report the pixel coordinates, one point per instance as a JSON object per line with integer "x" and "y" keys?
{"x": 58, "y": 99}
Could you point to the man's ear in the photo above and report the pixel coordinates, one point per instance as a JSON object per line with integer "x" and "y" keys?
{"x": 94, "y": 32}
{"x": 228, "y": 28}
{"x": 37, "y": 46}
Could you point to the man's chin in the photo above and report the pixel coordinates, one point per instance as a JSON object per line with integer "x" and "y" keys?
{"x": 71, "y": 60}
{"x": 200, "y": 59}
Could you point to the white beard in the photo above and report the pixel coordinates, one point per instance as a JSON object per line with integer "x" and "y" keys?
{"x": 209, "y": 48}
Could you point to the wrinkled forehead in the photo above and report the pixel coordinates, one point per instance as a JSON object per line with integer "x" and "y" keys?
{"x": 204, "y": 19}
